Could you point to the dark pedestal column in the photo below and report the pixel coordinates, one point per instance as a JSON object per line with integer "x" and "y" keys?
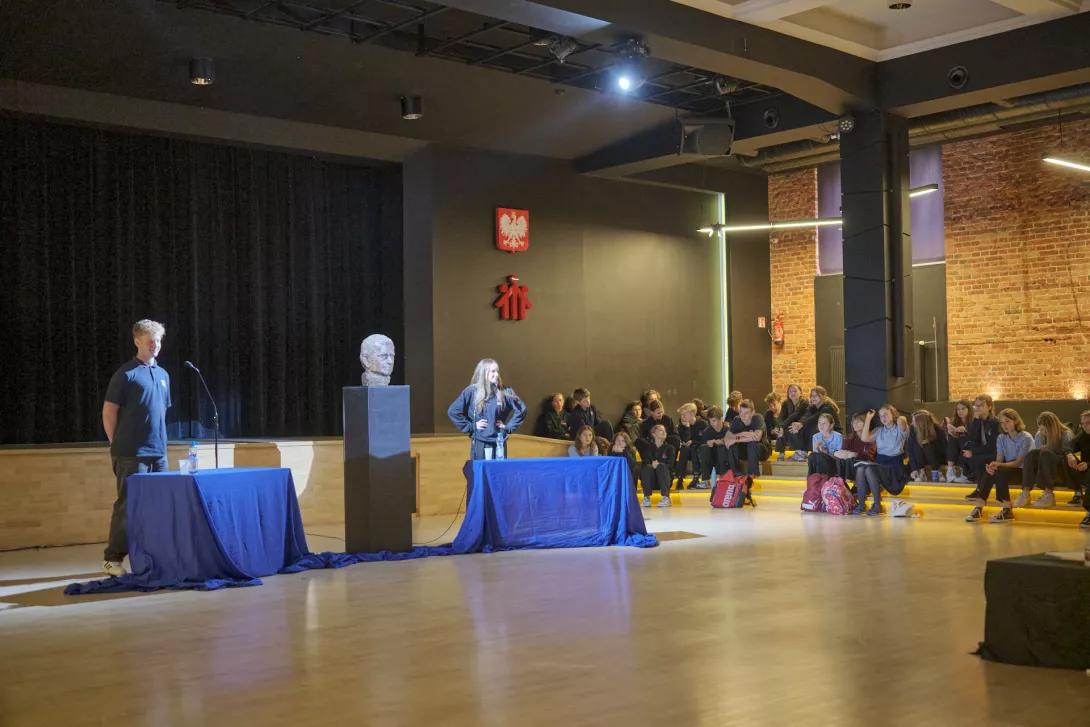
{"x": 378, "y": 477}
{"x": 878, "y": 361}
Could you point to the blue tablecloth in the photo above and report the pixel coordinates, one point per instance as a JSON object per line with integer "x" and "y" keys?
{"x": 567, "y": 502}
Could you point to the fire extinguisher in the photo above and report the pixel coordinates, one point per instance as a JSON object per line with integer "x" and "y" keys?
{"x": 777, "y": 330}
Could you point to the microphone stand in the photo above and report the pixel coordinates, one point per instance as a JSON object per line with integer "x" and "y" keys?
{"x": 215, "y": 413}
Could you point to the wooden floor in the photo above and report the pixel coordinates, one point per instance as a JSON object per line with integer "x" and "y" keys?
{"x": 770, "y": 618}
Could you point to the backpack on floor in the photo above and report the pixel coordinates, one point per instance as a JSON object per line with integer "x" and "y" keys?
{"x": 811, "y": 499}
{"x": 732, "y": 490}
{"x": 836, "y": 498}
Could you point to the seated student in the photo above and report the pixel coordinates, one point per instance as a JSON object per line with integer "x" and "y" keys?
{"x": 980, "y": 444}
{"x": 658, "y": 416}
{"x": 774, "y": 402}
{"x": 585, "y": 444}
{"x": 888, "y": 468}
{"x": 551, "y": 423}
{"x": 645, "y": 400}
{"x": 750, "y": 440}
{"x": 631, "y": 420}
{"x": 855, "y": 449}
{"x": 622, "y": 447}
{"x": 825, "y": 444}
{"x": 791, "y": 411}
{"x": 957, "y": 437}
{"x": 1080, "y": 446}
{"x": 734, "y": 399}
{"x": 569, "y": 406}
{"x": 801, "y": 432}
{"x": 1011, "y": 448}
{"x": 689, "y": 429}
{"x": 713, "y": 449}
{"x": 584, "y": 415}
{"x": 926, "y": 446}
{"x": 657, "y": 467}
{"x": 701, "y": 408}
{"x": 1047, "y": 462}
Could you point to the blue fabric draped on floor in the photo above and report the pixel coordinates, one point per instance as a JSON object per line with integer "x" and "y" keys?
{"x": 229, "y": 527}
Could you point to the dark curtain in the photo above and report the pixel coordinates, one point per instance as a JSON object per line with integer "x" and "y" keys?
{"x": 267, "y": 270}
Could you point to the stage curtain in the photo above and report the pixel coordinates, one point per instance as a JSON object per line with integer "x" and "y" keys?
{"x": 266, "y": 268}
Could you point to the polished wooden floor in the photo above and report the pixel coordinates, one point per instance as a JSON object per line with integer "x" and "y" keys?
{"x": 770, "y": 618}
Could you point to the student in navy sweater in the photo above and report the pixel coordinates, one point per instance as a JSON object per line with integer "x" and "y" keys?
{"x": 980, "y": 446}
{"x": 622, "y": 447}
{"x": 750, "y": 440}
{"x": 689, "y": 429}
{"x": 713, "y": 449}
{"x": 486, "y": 411}
{"x": 657, "y": 417}
{"x": 791, "y": 411}
{"x": 551, "y": 423}
{"x": 657, "y": 467}
{"x": 631, "y": 421}
{"x": 584, "y": 414}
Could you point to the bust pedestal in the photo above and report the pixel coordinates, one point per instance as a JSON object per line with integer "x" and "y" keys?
{"x": 378, "y": 478}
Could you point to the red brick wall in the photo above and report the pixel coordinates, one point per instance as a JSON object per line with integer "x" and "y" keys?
{"x": 793, "y": 255}
{"x": 1018, "y": 266}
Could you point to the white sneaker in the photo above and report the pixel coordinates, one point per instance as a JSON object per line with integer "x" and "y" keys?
{"x": 647, "y": 502}
{"x": 1046, "y": 500}
{"x": 951, "y": 476}
{"x": 918, "y": 476}
{"x": 1023, "y": 499}
{"x": 664, "y": 502}
{"x": 798, "y": 457}
{"x": 960, "y": 479}
{"x": 113, "y": 568}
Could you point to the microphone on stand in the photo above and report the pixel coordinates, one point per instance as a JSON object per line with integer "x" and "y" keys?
{"x": 215, "y": 411}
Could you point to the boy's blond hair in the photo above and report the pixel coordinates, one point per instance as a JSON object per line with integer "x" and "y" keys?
{"x": 148, "y": 328}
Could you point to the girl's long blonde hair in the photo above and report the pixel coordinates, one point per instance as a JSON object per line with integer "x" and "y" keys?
{"x": 1052, "y": 430}
{"x": 481, "y": 388}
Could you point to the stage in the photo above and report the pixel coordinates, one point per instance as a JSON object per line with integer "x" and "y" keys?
{"x": 738, "y": 617}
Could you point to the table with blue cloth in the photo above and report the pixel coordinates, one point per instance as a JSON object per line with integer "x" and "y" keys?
{"x": 566, "y": 502}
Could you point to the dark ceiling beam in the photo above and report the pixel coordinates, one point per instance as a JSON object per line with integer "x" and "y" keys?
{"x": 825, "y": 77}
{"x": 504, "y": 51}
{"x": 419, "y": 18}
{"x": 797, "y": 120}
{"x": 1034, "y": 59}
{"x": 669, "y": 144}
{"x": 466, "y": 36}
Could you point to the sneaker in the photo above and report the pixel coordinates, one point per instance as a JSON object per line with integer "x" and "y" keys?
{"x": 1022, "y": 500}
{"x": 875, "y": 509}
{"x": 702, "y": 485}
{"x": 974, "y": 495}
{"x": 974, "y": 516}
{"x": 647, "y": 502}
{"x": 664, "y": 502}
{"x": 1085, "y": 524}
{"x": 858, "y": 509}
{"x": 780, "y": 457}
{"x": 951, "y": 476}
{"x": 113, "y": 568}
{"x": 960, "y": 479}
{"x": 1005, "y": 516}
{"x": 1077, "y": 499}
{"x": 919, "y": 476}
{"x": 1046, "y": 500}
{"x": 798, "y": 457}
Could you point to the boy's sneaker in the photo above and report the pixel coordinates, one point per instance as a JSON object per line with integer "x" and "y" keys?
{"x": 665, "y": 501}
{"x": 798, "y": 457}
{"x": 875, "y": 510}
{"x": 918, "y": 477}
{"x": 1005, "y": 516}
{"x": 951, "y": 475}
{"x": 701, "y": 485}
{"x": 1077, "y": 499}
{"x": 1022, "y": 500}
{"x": 974, "y": 516}
{"x": 1046, "y": 500}
{"x": 113, "y": 568}
{"x": 647, "y": 502}
{"x": 1085, "y": 524}
{"x": 780, "y": 457}
{"x": 974, "y": 495}
{"x": 960, "y": 479}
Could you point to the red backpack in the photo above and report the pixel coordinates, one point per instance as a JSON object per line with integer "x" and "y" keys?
{"x": 811, "y": 499}
{"x": 733, "y": 490}
{"x": 836, "y": 498}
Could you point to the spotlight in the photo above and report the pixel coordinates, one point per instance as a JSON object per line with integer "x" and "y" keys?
{"x": 771, "y": 118}
{"x": 723, "y": 86}
{"x": 201, "y": 72}
{"x": 957, "y": 77}
{"x": 630, "y": 72}
{"x": 846, "y": 124}
{"x": 412, "y": 108}
{"x": 562, "y": 47}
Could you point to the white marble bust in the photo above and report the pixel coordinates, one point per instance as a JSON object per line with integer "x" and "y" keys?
{"x": 377, "y": 359}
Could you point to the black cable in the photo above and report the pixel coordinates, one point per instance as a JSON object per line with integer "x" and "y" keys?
{"x": 456, "y": 514}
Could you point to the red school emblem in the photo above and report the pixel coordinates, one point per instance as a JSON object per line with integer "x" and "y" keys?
{"x": 512, "y": 230}
{"x": 513, "y": 302}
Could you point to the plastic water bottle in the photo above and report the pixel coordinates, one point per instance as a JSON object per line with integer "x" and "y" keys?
{"x": 192, "y": 457}
{"x": 500, "y": 454}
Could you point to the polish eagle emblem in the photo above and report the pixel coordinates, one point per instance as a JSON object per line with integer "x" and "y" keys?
{"x": 512, "y": 230}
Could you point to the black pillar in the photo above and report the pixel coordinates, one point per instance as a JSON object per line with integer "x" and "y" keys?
{"x": 878, "y": 360}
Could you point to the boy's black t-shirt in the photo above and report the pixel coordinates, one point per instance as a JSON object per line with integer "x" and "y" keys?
{"x": 143, "y": 393}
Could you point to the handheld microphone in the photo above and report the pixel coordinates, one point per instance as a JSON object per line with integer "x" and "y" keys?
{"x": 215, "y": 411}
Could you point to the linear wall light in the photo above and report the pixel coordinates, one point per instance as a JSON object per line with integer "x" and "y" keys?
{"x": 921, "y": 191}
{"x": 718, "y": 228}
{"x": 1065, "y": 163}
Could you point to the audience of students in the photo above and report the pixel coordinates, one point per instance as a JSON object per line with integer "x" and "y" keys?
{"x": 689, "y": 429}
{"x": 585, "y": 444}
{"x": 631, "y": 421}
{"x": 801, "y": 432}
{"x": 823, "y": 446}
{"x": 1011, "y": 449}
{"x": 888, "y": 468}
{"x": 749, "y": 441}
{"x": 658, "y": 466}
{"x": 713, "y": 449}
{"x": 957, "y": 439}
{"x": 926, "y": 447}
{"x": 980, "y": 444}
{"x": 552, "y": 422}
{"x": 791, "y": 411}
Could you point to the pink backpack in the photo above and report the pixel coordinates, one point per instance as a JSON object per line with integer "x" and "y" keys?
{"x": 836, "y": 498}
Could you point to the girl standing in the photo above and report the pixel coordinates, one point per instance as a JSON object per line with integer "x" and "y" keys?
{"x": 486, "y": 411}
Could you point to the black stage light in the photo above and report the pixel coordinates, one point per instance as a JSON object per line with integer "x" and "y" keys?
{"x": 201, "y": 72}
{"x": 412, "y": 108}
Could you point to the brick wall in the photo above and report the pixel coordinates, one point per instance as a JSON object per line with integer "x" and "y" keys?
{"x": 793, "y": 256}
{"x": 1018, "y": 266}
